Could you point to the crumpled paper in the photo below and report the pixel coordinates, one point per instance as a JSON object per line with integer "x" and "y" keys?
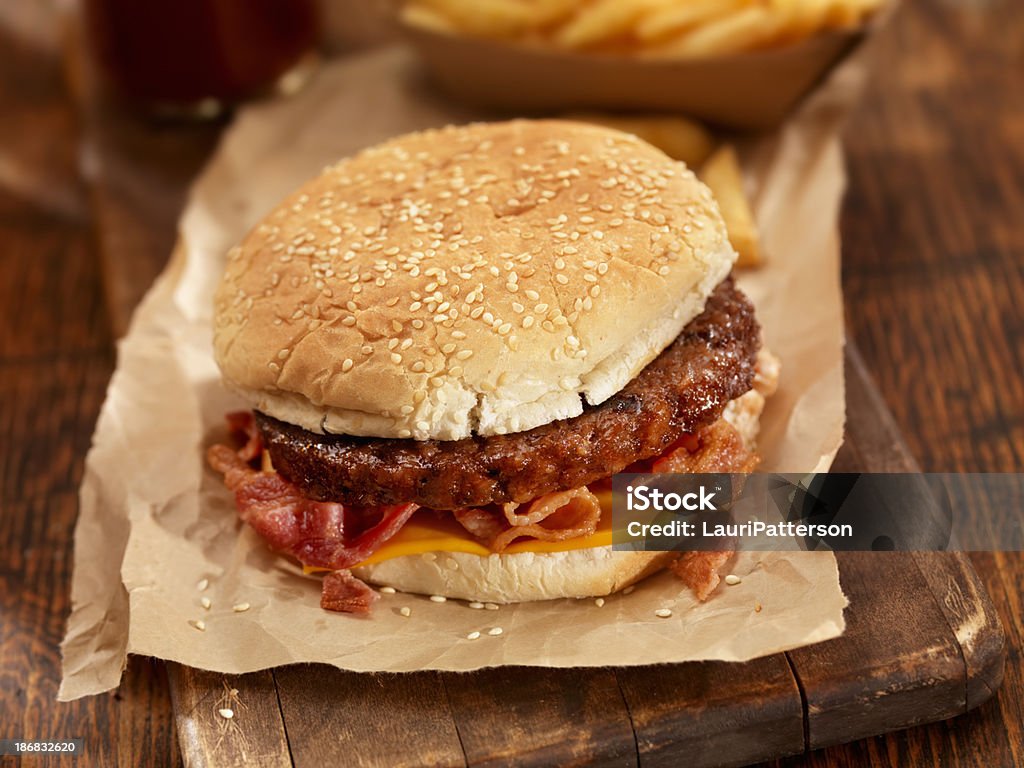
{"x": 155, "y": 521}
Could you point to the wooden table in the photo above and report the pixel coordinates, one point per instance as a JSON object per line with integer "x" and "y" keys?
{"x": 934, "y": 280}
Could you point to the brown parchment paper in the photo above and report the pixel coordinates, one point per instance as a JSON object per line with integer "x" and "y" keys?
{"x": 155, "y": 521}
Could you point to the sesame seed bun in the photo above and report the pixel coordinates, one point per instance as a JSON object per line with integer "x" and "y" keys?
{"x": 478, "y": 279}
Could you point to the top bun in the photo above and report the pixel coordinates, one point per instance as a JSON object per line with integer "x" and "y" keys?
{"x": 470, "y": 280}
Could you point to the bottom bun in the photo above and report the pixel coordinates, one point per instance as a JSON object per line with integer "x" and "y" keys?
{"x": 516, "y": 578}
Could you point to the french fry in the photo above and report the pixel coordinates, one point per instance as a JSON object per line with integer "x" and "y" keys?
{"x": 546, "y": 13}
{"x": 656, "y": 28}
{"x": 722, "y": 174}
{"x": 425, "y": 18}
{"x": 801, "y": 19}
{"x": 734, "y": 33}
{"x": 603, "y": 20}
{"x": 850, "y": 13}
{"x": 484, "y": 18}
{"x": 678, "y": 137}
{"x": 673, "y": 19}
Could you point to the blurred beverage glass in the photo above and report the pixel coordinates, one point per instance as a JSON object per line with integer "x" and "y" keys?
{"x": 193, "y": 58}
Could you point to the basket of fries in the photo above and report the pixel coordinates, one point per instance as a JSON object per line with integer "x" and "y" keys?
{"x": 736, "y": 63}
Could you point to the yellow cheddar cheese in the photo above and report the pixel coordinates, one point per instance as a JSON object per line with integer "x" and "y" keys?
{"x": 426, "y": 533}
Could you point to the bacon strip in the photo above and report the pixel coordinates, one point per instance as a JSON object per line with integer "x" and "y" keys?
{"x": 552, "y": 517}
{"x": 699, "y": 571}
{"x": 345, "y": 593}
{"x": 242, "y": 425}
{"x": 313, "y": 532}
{"x": 718, "y": 448}
{"x": 316, "y": 533}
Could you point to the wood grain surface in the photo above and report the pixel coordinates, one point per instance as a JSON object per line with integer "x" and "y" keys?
{"x": 932, "y": 274}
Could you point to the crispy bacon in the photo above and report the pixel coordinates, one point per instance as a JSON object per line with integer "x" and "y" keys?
{"x": 717, "y": 448}
{"x": 552, "y": 517}
{"x": 242, "y": 426}
{"x": 345, "y": 593}
{"x": 484, "y": 525}
{"x": 322, "y": 534}
{"x": 699, "y": 571}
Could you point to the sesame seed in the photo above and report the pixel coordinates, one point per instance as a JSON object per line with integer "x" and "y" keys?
{"x": 203, "y": 584}
{"x": 491, "y": 606}
{"x": 663, "y": 613}
{"x": 562, "y": 279}
{"x": 387, "y": 590}
{"x": 396, "y": 358}
{"x": 198, "y": 624}
{"x": 206, "y": 603}
{"x": 347, "y": 365}
{"x": 240, "y": 607}
{"x": 629, "y": 590}
{"x": 226, "y": 713}
{"x": 476, "y": 605}
{"x": 494, "y": 631}
{"x": 473, "y": 636}
{"x": 405, "y": 611}
{"x": 464, "y": 354}
{"x": 599, "y": 602}
{"x": 438, "y": 599}
{"x": 757, "y": 607}
{"x": 732, "y": 580}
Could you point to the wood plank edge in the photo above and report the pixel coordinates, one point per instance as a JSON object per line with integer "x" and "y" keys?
{"x": 983, "y": 647}
{"x": 280, "y": 712}
{"x": 451, "y": 713}
{"x": 249, "y": 737}
{"x": 804, "y": 708}
{"x": 984, "y": 661}
{"x": 629, "y": 714}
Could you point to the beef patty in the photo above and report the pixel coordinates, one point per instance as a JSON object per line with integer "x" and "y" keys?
{"x": 686, "y": 387}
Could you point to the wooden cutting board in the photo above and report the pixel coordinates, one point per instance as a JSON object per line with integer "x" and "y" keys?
{"x": 922, "y": 642}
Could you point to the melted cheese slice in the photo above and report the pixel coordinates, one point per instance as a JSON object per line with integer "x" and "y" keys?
{"x": 427, "y": 533}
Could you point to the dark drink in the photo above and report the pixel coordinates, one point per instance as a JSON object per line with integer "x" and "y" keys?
{"x": 169, "y": 54}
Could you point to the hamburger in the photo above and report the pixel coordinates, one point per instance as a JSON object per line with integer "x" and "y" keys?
{"x": 451, "y": 341}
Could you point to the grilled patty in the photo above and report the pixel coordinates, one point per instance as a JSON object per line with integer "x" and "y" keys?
{"x": 686, "y": 387}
